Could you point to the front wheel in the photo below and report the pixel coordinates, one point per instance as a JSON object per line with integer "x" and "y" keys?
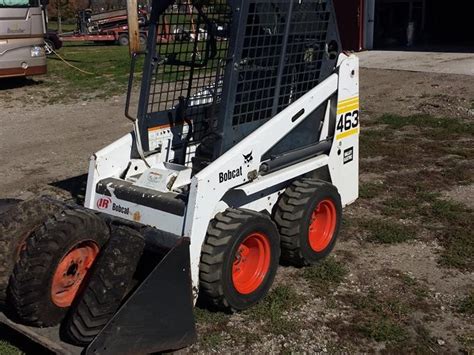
{"x": 52, "y": 265}
{"x": 308, "y": 216}
{"x": 239, "y": 259}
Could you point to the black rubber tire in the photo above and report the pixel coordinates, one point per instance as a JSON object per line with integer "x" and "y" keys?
{"x": 224, "y": 235}
{"x": 293, "y": 217}
{"x": 16, "y": 225}
{"x": 143, "y": 40}
{"x": 31, "y": 281}
{"x": 107, "y": 285}
{"x": 123, "y": 40}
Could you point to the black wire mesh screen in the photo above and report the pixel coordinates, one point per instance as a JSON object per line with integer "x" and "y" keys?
{"x": 283, "y": 54}
{"x": 260, "y": 60}
{"x": 185, "y": 85}
{"x": 305, "y": 51}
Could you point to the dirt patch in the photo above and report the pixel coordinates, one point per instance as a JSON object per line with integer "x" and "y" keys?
{"x": 462, "y": 194}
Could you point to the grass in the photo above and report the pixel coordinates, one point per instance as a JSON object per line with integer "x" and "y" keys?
{"x": 325, "y": 275}
{"x": 214, "y": 323}
{"x": 376, "y": 318}
{"x": 371, "y": 190}
{"x": 272, "y": 310}
{"x": 67, "y": 27}
{"x": 383, "y": 330}
{"x": 109, "y": 65}
{"x": 387, "y": 232}
{"x": 455, "y": 235}
{"x": 445, "y": 124}
{"x": 8, "y": 349}
{"x": 466, "y": 305}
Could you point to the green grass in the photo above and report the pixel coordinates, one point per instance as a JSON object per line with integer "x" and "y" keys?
{"x": 214, "y": 323}
{"x": 376, "y": 318}
{"x": 383, "y": 330}
{"x": 455, "y": 235}
{"x": 387, "y": 232}
{"x": 67, "y": 27}
{"x": 466, "y": 305}
{"x": 271, "y": 310}
{"x": 371, "y": 190}
{"x": 8, "y": 349}
{"x": 325, "y": 275}
{"x": 109, "y": 65}
{"x": 445, "y": 124}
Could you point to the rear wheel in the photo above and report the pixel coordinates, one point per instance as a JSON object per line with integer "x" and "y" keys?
{"x": 239, "y": 259}
{"x": 142, "y": 40}
{"x": 52, "y": 266}
{"x": 123, "y": 40}
{"x": 16, "y": 225}
{"x": 106, "y": 287}
{"x": 308, "y": 216}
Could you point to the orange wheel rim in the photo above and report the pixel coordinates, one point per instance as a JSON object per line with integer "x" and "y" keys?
{"x": 322, "y": 225}
{"x": 251, "y": 263}
{"x": 70, "y": 272}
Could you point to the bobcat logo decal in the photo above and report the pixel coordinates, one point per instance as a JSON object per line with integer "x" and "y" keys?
{"x": 248, "y": 158}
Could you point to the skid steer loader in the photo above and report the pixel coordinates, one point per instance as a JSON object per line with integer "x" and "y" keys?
{"x": 244, "y": 151}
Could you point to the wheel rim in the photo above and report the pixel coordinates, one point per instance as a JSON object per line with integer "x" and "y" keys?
{"x": 70, "y": 272}
{"x": 251, "y": 263}
{"x": 322, "y": 225}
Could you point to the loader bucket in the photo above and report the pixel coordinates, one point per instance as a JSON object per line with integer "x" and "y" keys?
{"x": 158, "y": 315}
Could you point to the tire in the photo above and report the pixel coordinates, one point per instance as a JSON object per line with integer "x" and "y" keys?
{"x": 16, "y": 225}
{"x": 305, "y": 238}
{"x": 108, "y": 283}
{"x": 123, "y": 40}
{"x": 143, "y": 40}
{"x": 53, "y": 264}
{"x": 229, "y": 279}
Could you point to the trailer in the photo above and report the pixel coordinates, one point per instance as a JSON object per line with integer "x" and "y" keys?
{"x": 110, "y": 27}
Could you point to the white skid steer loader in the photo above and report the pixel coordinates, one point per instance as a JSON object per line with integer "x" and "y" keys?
{"x": 244, "y": 151}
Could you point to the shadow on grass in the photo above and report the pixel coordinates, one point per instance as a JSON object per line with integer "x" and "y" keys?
{"x": 15, "y": 83}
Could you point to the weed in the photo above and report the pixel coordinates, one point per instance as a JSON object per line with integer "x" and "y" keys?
{"x": 455, "y": 235}
{"x": 214, "y": 324}
{"x": 272, "y": 309}
{"x": 467, "y": 340}
{"x": 371, "y": 190}
{"x": 445, "y": 124}
{"x": 383, "y": 330}
{"x": 450, "y": 212}
{"x": 8, "y": 349}
{"x": 211, "y": 339}
{"x": 458, "y": 250}
{"x": 208, "y": 317}
{"x": 466, "y": 305}
{"x": 399, "y": 207}
{"x": 387, "y": 232}
{"x": 325, "y": 275}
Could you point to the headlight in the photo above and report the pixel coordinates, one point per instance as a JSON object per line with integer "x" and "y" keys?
{"x": 37, "y": 51}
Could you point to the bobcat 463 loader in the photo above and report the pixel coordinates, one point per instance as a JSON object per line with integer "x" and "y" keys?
{"x": 244, "y": 151}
